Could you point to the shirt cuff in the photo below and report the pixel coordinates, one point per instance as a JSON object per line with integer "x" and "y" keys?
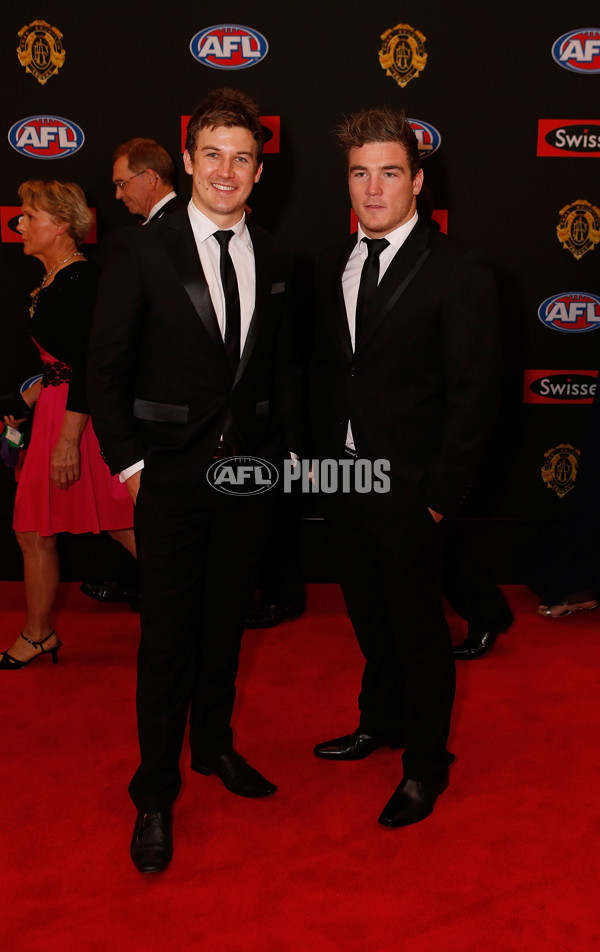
{"x": 130, "y": 471}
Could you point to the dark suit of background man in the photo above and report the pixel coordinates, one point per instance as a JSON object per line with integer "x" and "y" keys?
{"x": 168, "y": 388}
{"x": 415, "y": 384}
{"x": 143, "y": 175}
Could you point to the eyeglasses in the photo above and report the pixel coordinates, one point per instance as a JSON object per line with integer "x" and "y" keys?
{"x": 121, "y": 183}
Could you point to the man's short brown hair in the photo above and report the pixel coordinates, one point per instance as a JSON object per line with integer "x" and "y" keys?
{"x": 226, "y": 107}
{"x": 145, "y": 154}
{"x": 379, "y": 125}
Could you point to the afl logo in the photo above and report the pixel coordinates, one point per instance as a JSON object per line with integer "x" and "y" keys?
{"x": 579, "y": 50}
{"x": 573, "y": 312}
{"x": 428, "y": 137}
{"x": 45, "y": 137}
{"x": 229, "y": 46}
{"x": 242, "y": 476}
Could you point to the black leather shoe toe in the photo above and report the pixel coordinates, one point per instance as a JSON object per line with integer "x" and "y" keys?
{"x": 479, "y": 642}
{"x": 237, "y": 775}
{"x": 412, "y": 801}
{"x": 268, "y": 614}
{"x": 110, "y": 592}
{"x": 355, "y": 746}
{"x": 152, "y": 844}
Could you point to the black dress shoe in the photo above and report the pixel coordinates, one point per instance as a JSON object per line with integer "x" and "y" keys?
{"x": 111, "y": 592}
{"x": 356, "y": 746}
{"x": 236, "y": 774}
{"x": 268, "y": 614}
{"x": 152, "y": 844}
{"x": 412, "y": 801}
{"x": 478, "y": 642}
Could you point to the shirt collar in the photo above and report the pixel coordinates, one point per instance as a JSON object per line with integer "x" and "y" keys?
{"x": 204, "y": 227}
{"x": 396, "y": 238}
{"x": 159, "y": 205}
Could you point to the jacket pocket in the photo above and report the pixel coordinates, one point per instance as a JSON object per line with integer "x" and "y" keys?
{"x": 160, "y": 412}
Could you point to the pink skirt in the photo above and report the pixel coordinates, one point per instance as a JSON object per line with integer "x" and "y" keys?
{"x": 97, "y": 501}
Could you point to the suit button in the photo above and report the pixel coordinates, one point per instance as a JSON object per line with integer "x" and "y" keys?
{"x": 353, "y": 371}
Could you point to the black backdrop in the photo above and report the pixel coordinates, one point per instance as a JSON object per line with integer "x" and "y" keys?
{"x": 489, "y": 78}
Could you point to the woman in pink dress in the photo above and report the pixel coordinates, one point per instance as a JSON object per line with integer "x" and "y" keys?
{"x": 65, "y": 485}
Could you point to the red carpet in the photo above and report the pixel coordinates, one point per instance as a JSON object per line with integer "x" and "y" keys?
{"x": 508, "y": 861}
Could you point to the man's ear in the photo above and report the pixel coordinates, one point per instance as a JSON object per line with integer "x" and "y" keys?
{"x": 187, "y": 163}
{"x": 258, "y": 173}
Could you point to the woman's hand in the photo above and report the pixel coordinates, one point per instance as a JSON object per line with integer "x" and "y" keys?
{"x": 65, "y": 459}
{"x": 10, "y": 420}
{"x": 64, "y": 463}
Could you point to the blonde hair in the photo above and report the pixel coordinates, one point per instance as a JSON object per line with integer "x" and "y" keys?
{"x": 65, "y": 201}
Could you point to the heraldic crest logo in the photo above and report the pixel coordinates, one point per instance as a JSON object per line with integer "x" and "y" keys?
{"x": 40, "y": 50}
{"x": 402, "y": 54}
{"x": 559, "y": 470}
{"x": 579, "y": 227}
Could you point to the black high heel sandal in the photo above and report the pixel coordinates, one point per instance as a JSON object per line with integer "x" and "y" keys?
{"x": 7, "y": 662}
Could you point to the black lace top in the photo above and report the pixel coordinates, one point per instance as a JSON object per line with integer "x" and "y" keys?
{"x": 62, "y": 321}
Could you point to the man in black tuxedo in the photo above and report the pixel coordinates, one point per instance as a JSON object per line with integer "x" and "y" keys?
{"x": 143, "y": 178}
{"x": 406, "y": 370}
{"x": 191, "y": 359}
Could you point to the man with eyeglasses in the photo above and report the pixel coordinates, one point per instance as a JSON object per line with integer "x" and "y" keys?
{"x": 143, "y": 179}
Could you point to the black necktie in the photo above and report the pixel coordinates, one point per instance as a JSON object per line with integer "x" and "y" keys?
{"x": 232, "y": 300}
{"x": 369, "y": 280}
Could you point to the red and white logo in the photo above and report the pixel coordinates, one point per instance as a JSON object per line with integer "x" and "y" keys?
{"x": 560, "y": 386}
{"x": 570, "y": 137}
{"x": 572, "y": 312}
{"x": 579, "y": 50}
{"x": 229, "y": 46}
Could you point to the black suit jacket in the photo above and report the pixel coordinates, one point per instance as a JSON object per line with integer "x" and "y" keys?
{"x": 422, "y": 388}
{"x": 159, "y": 382}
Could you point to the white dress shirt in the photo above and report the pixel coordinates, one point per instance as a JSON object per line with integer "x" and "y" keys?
{"x": 351, "y": 279}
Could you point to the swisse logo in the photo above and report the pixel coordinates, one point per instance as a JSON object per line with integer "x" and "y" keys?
{"x": 559, "y": 386}
{"x": 572, "y": 137}
{"x": 573, "y": 312}
{"x": 229, "y": 46}
{"x": 46, "y": 137}
{"x": 242, "y": 476}
{"x": 428, "y": 137}
{"x": 579, "y": 50}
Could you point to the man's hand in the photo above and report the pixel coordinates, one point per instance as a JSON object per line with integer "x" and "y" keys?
{"x": 64, "y": 463}
{"x": 436, "y": 516}
{"x": 133, "y": 485}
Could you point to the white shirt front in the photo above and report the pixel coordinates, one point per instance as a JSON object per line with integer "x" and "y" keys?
{"x": 242, "y": 256}
{"x": 351, "y": 279}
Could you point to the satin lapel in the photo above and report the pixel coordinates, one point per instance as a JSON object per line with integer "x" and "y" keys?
{"x": 179, "y": 239}
{"x": 405, "y": 266}
{"x": 340, "y": 311}
{"x": 263, "y": 261}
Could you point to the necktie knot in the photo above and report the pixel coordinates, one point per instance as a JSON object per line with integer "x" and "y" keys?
{"x": 375, "y": 246}
{"x": 223, "y": 237}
